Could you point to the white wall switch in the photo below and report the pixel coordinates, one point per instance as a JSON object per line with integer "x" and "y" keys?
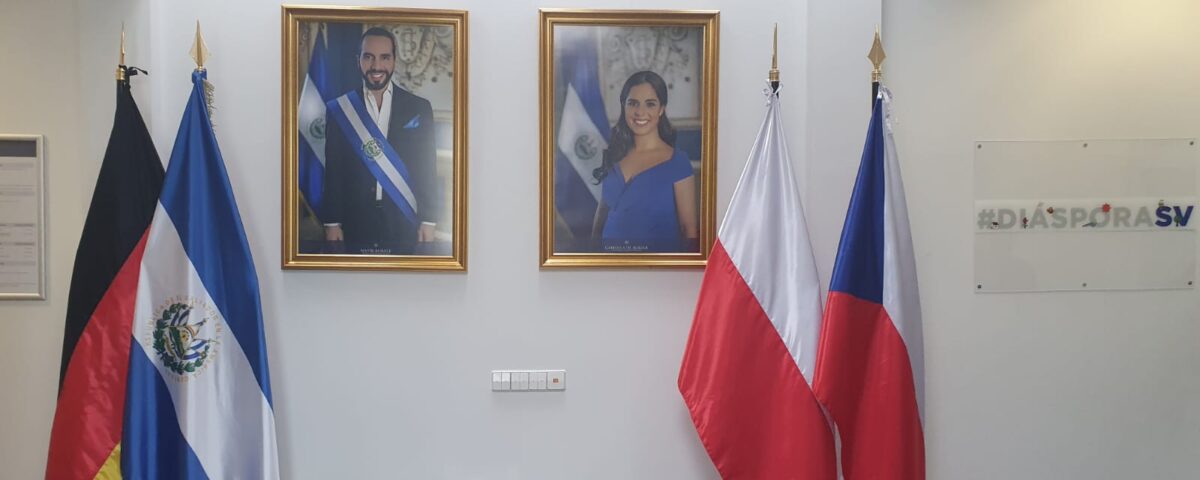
{"x": 528, "y": 380}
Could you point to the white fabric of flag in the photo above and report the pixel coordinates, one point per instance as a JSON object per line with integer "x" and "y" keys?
{"x": 580, "y": 141}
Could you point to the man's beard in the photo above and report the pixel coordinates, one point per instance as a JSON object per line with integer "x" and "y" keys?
{"x": 376, "y": 86}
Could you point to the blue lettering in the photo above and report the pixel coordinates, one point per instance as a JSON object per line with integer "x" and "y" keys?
{"x": 1164, "y": 216}
{"x": 1183, "y": 216}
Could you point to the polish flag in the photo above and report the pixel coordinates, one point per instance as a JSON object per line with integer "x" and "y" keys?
{"x": 753, "y": 344}
{"x": 870, "y": 369}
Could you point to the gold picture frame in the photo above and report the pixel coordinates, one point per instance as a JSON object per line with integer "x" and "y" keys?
{"x": 417, "y": 218}
{"x": 640, "y": 59}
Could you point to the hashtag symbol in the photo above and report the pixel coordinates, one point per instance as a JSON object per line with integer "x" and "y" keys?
{"x": 986, "y": 217}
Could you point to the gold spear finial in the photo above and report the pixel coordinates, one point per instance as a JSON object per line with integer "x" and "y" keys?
{"x": 199, "y": 51}
{"x": 121, "y": 60}
{"x": 773, "y": 75}
{"x": 876, "y": 56}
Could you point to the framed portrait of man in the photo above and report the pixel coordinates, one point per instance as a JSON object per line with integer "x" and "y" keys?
{"x": 374, "y": 138}
{"x": 628, "y": 137}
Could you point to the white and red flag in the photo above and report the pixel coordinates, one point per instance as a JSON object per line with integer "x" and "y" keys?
{"x": 870, "y": 368}
{"x": 753, "y": 345}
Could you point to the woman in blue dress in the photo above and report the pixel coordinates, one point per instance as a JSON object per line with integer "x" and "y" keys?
{"x": 648, "y": 190}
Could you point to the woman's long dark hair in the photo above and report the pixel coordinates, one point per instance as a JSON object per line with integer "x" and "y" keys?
{"x": 621, "y": 139}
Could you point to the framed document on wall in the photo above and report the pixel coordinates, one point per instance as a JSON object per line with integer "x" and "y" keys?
{"x": 374, "y": 138}
{"x": 628, "y": 137}
{"x": 22, "y": 218}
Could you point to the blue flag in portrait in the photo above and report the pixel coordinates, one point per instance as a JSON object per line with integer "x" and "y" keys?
{"x": 583, "y": 132}
{"x": 317, "y": 90}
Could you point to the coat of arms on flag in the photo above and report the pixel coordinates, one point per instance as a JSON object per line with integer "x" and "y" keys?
{"x": 186, "y": 336}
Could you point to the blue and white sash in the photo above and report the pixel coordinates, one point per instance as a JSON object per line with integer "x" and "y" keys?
{"x": 375, "y": 151}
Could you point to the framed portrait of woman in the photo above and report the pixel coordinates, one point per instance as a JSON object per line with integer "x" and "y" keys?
{"x": 628, "y": 137}
{"x": 374, "y": 138}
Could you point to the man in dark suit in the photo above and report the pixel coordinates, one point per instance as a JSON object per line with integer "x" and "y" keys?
{"x": 357, "y": 210}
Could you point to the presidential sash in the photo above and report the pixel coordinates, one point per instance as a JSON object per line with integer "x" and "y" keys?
{"x": 374, "y": 150}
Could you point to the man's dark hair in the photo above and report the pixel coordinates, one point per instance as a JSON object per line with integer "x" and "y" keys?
{"x": 378, "y": 32}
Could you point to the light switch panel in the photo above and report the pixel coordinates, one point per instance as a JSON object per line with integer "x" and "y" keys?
{"x": 528, "y": 380}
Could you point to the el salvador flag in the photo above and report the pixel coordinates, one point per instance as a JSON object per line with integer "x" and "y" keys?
{"x": 316, "y": 91}
{"x": 199, "y": 395}
{"x": 582, "y": 132}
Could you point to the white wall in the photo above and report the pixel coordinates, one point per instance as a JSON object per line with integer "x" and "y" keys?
{"x": 385, "y": 375}
{"x": 40, "y": 96}
{"x": 1043, "y": 386}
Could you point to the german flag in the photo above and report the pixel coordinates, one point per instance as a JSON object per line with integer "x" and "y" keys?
{"x": 85, "y": 439}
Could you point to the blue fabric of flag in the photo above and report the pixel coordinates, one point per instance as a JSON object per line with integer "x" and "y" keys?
{"x": 191, "y": 421}
{"x": 311, "y": 169}
{"x": 199, "y": 200}
{"x": 580, "y": 67}
{"x": 859, "y": 267}
{"x": 152, "y": 446}
{"x": 575, "y": 203}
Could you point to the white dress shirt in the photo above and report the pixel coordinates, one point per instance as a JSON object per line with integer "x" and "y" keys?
{"x": 381, "y": 114}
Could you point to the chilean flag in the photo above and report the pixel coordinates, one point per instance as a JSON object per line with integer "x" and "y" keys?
{"x": 753, "y": 345}
{"x": 870, "y": 367}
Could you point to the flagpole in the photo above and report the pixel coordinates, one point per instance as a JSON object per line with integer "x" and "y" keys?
{"x": 121, "y": 77}
{"x": 199, "y": 50}
{"x": 773, "y": 75}
{"x": 125, "y": 72}
{"x": 200, "y": 55}
{"x": 876, "y": 56}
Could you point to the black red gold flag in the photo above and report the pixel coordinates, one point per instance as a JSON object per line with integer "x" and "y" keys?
{"x": 86, "y": 435}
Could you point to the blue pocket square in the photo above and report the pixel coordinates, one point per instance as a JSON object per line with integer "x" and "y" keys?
{"x": 414, "y": 123}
